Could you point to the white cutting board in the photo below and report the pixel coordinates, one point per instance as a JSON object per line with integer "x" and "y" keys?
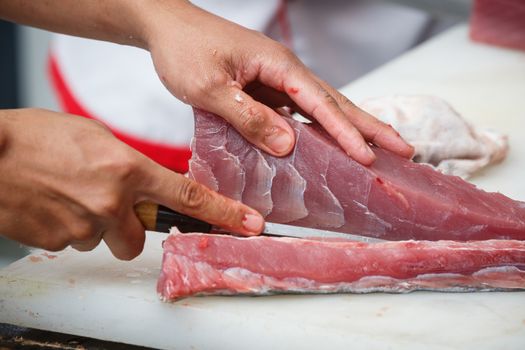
{"x": 92, "y": 294}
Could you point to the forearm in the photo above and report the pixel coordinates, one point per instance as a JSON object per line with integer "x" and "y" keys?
{"x": 120, "y": 21}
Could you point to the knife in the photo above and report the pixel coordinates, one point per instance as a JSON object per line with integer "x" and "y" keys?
{"x": 158, "y": 218}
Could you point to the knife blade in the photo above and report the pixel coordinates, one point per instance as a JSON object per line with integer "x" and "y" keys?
{"x": 158, "y": 218}
{"x": 283, "y": 230}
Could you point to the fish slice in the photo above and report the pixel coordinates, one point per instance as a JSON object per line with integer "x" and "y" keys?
{"x": 156, "y": 217}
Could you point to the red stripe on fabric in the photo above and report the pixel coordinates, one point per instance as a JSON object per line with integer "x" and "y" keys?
{"x": 174, "y": 158}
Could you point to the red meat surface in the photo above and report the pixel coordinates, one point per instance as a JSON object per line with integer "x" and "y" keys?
{"x": 499, "y": 22}
{"x": 202, "y": 264}
{"x": 319, "y": 185}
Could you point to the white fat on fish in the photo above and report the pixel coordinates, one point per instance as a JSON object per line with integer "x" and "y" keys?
{"x": 440, "y": 135}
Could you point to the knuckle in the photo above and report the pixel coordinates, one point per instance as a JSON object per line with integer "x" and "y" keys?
{"x": 326, "y": 96}
{"x": 327, "y": 100}
{"x": 82, "y": 232}
{"x": 252, "y": 121}
{"x": 128, "y": 254}
{"x": 55, "y": 245}
{"x": 286, "y": 63}
{"x": 232, "y": 215}
{"x": 377, "y": 134}
{"x": 338, "y": 135}
{"x": 136, "y": 249}
{"x": 344, "y": 102}
{"x": 83, "y": 247}
{"x": 192, "y": 195}
{"x": 208, "y": 83}
{"x": 132, "y": 250}
{"x": 284, "y": 52}
{"x": 122, "y": 163}
{"x": 98, "y": 124}
{"x": 108, "y": 206}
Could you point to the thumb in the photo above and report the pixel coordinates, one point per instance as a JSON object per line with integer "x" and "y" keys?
{"x": 191, "y": 198}
{"x": 258, "y": 123}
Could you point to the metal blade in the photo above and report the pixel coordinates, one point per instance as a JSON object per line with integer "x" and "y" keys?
{"x": 280, "y": 230}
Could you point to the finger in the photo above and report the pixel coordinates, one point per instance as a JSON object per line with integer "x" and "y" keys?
{"x": 85, "y": 246}
{"x": 315, "y": 100}
{"x": 191, "y": 198}
{"x": 267, "y": 95}
{"x": 126, "y": 238}
{"x": 374, "y": 130}
{"x": 258, "y": 123}
{"x": 272, "y": 98}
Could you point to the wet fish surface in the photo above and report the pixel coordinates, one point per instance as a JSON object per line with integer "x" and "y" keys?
{"x": 319, "y": 186}
{"x": 446, "y": 234}
{"x": 208, "y": 264}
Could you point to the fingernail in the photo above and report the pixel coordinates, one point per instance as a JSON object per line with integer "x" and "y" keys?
{"x": 253, "y": 223}
{"x": 279, "y": 141}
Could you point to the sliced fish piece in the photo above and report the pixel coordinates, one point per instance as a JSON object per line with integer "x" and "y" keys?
{"x": 208, "y": 264}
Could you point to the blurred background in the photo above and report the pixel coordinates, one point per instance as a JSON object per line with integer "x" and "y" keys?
{"x": 24, "y": 51}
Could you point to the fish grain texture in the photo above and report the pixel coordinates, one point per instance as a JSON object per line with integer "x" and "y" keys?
{"x": 319, "y": 186}
{"x": 202, "y": 264}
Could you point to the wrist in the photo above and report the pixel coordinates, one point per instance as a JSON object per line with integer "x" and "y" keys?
{"x": 157, "y": 17}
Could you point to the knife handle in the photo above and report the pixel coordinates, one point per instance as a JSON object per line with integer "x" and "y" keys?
{"x": 156, "y": 217}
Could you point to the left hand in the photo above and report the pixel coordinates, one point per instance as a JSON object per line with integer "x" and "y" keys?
{"x": 214, "y": 64}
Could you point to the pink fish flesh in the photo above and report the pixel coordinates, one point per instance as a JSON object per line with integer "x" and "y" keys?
{"x": 204, "y": 264}
{"x": 319, "y": 186}
{"x": 499, "y": 22}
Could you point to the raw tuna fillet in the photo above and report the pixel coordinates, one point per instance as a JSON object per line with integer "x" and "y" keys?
{"x": 499, "y": 22}
{"x": 318, "y": 185}
{"x": 210, "y": 140}
{"x": 199, "y": 264}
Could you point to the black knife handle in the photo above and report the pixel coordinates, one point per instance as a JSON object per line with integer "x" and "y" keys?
{"x": 156, "y": 217}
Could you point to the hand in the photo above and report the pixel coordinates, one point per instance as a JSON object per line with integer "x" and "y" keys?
{"x": 219, "y": 66}
{"x": 214, "y": 64}
{"x": 67, "y": 181}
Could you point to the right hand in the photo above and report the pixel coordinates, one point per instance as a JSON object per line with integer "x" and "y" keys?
{"x": 68, "y": 181}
